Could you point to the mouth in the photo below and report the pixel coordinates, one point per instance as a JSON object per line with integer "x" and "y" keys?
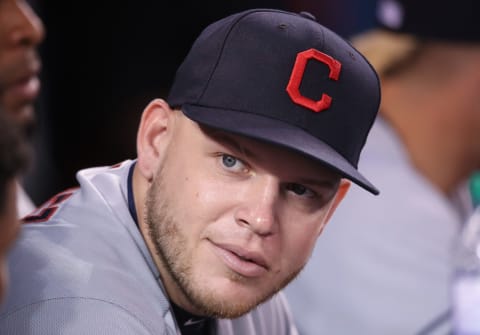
{"x": 22, "y": 86}
{"x": 24, "y": 90}
{"x": 246, "y": 263}
{"x": 18, "y": 100}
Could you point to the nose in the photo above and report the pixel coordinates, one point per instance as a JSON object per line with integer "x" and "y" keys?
{"x": 259, "y": 207}
{"x": 27, "y": 27}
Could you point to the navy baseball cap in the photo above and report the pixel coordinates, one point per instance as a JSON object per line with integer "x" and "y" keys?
{"x": 444, "y": 20}
{"x": 283, "y": 78}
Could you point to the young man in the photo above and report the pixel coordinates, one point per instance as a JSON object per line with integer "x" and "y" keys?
{"x": 386, "y": 265}
{"x": 13, "y": 160}
{"x": 21, "y": 31}
{"x": 235, "y": 178}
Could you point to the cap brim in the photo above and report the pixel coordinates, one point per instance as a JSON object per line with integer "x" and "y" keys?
{"x": 280, "y": 133}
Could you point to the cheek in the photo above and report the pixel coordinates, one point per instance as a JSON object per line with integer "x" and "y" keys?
{"x": 205, "y": 197}
{"x": 298, "y": 240}
{"x": 193, "y": 201}
{"x": 302, "y": 245}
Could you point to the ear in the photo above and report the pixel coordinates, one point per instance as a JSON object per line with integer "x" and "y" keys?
{"x": 153, "y": 136}
{"x": 341, "y": 192}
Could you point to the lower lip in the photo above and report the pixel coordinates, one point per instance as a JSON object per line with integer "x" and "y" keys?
{"x": 239, "y": 265}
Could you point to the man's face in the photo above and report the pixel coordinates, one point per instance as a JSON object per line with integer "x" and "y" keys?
{"x": 9, "y": 228}
{"x": 20, "y": 33}
{"x": 233, "y": 220}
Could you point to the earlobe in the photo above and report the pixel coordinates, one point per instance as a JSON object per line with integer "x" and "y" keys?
{"x": 153, "y": 134}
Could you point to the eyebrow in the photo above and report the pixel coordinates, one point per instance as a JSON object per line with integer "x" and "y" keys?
{"x": 230, "y": 142}
{"x": 330, "y": 183}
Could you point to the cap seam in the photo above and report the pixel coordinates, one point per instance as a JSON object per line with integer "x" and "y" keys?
{"x": 227, "y": 35}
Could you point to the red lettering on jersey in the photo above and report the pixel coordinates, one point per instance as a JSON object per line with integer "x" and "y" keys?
{"x": 45, "y": 212}
{"x": 293, "y": 87}
{"x": 116, "y": 165}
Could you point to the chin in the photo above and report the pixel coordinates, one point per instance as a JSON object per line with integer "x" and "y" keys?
{"x": 24, "y": 117}
{"x": 228, "y": 298}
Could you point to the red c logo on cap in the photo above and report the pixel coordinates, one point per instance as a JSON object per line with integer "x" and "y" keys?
{"x": 297, "y": 75}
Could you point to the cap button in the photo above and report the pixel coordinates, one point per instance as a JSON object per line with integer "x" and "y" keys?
{"x": 308, "y": 15}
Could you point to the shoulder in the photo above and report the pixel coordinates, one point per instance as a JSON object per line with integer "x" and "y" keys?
{"x": 75, "y": 316}
{"x": 75, "y": 258}
{"x": 80, "y": 281}
{"x": 101, "y": 193}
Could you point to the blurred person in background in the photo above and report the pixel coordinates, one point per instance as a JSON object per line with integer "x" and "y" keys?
{"x": 21, "y": 31}
{"x": 14, "y": 156}
{"x": 383, "y": 265}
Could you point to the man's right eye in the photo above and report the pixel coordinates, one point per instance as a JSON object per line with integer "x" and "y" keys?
{"x": 233, "y": 164}
{"x": 228, "y": 161}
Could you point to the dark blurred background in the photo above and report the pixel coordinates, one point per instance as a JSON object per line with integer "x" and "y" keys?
{"x": 103, "y": 62}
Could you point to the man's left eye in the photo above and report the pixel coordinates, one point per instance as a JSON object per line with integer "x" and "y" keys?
{"x": 299, "y": 189}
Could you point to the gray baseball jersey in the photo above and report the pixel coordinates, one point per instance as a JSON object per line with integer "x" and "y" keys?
{"x": 81, "y": 266}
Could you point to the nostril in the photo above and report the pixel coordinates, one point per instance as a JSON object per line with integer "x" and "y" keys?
{"x": 243, "y": 222}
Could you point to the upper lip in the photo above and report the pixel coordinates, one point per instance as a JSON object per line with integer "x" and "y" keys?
{"x": 250, "y": 255}
{"x": 30, "y": 69}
